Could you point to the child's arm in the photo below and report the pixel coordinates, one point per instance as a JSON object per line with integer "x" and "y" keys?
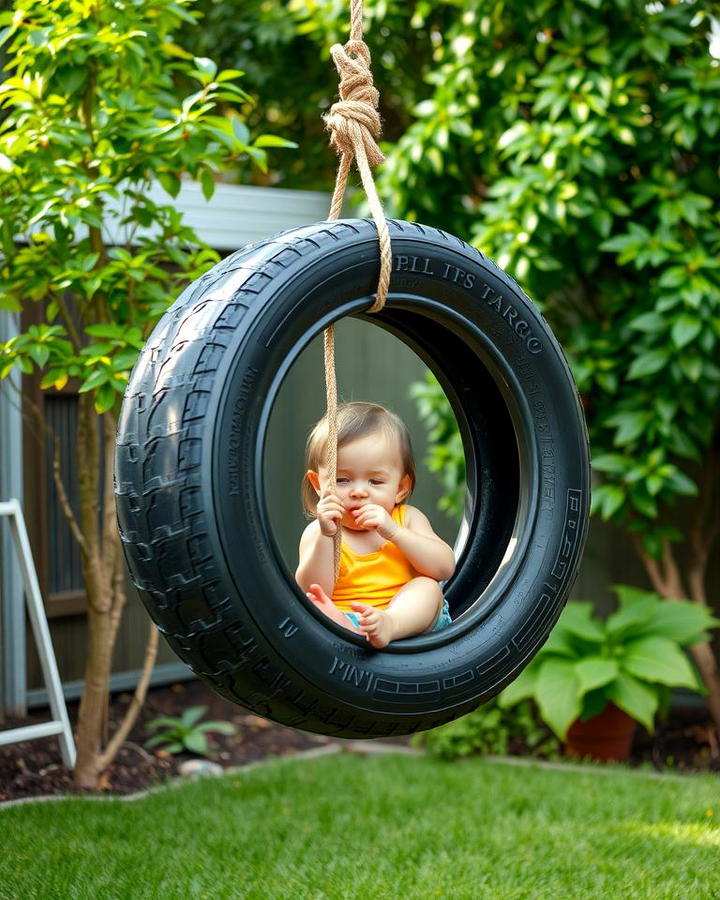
{"x": 426, "y": 552}
{"x": 317, "y": 545}
{"x": 317, "y": 560}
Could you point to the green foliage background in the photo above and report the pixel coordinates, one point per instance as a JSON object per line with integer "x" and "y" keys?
{"x": 577, "y": 144}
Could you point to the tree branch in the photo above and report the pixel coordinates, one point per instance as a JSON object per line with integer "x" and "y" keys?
{"x": 652, "y": 567}
{"x": 675, "y": 589}
{"x": 69, "y": 324}
{"x": 109, "y": 534}
{"x": 64, "y": 501}
{"x": 119, "y": 595}
{"x": 107, "y": 756}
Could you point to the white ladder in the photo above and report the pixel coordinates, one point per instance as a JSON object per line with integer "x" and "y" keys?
{"x": 60, "y": 724}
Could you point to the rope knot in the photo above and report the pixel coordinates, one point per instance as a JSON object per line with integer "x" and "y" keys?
{"x": 355, "y": 118}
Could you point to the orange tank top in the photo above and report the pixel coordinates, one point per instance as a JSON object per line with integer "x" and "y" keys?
{"x": 372, "y": 578}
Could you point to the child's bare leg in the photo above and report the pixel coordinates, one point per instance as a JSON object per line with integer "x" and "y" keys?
{"x": 411, "y": 611}
{"x": 325, "y": 605}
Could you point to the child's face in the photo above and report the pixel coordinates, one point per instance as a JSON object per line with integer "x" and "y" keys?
{"x": 369, "y": 470}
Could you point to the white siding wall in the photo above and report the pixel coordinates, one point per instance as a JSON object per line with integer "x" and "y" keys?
{"x": 237, "y": 215}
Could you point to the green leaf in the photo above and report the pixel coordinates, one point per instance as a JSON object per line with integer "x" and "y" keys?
{"x": 218, "y": 727}
{"x": 105, "y": 398}
{"x": 207, "y": 183}
{"x": 658, "y": 659}
{"x": 56, "y": 378}
{"x": 685, "y": 329}
{"x": 674, "y": 277}
{"x": 575, "y": 618}
{"x": 630, "y": 424}
{"x": 627, "y": 620}
{"x": 648, "y": 364}
{"x": 206, "y": 66}
{"x": 644, "y": 503}
{"x": 692, "y": 366}
{"x": 649, "y": 322}
{"x": 7, "y": 301}
{"x": 594, "y": 672}
{"x": 559, "y": 642}
{"x": 680, "y": 621}
{"x": 657, "y": 48}
{"x": 103, "y": 330}
{"x": 191, "y": 715}
{"x": 521, "y": 688}
{"x": 242, "y": 132}
{"x": 611, "y": 462}
{"x": 613, "y": 498}
{"x": 124, "y": 360}
{"x": 557, "y": 695}
{"x": 630, "y": 597}
{"x": 94, "y": 380}
{"x": 272, "y": 140}
{"x": 637, "y": 699}
{"x": 170, "y": 721}
{"x": 682, "y": 484}
{"x": 170, "y": 183}
{"x": 197, "y": 743}
{"x": 40, "y": 354}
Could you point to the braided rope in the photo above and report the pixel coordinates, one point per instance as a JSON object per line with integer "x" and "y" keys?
{"x": 354, "y": 125}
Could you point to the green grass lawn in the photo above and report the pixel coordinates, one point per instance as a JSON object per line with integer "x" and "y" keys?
{"x": 347, "y": 826}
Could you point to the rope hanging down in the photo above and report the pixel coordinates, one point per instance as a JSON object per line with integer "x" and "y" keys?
{"x": 354, "y": 126}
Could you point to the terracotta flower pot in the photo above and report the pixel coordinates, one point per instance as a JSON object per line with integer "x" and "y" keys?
{"x": 606, "y": 736}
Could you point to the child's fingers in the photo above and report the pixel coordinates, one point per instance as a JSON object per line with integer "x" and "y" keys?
{"x": 331, "y": 507}
{"x": 330, "y": 515}
{"x": 329, "y": 497}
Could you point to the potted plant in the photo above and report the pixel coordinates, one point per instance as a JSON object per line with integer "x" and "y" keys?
{"x": 594, "y": 680}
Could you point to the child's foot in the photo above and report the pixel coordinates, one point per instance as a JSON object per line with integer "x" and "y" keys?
{"x": 325, "y": 605}
{"x": 375, "y": 624}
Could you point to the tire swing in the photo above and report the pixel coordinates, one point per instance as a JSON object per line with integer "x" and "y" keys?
{"x": 189, "y": 474}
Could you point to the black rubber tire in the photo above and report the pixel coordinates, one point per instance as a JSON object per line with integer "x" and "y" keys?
{"x": 190, "y": 494}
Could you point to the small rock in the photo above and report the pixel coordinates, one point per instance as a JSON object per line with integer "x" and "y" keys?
{"x": 195, "y": 768}
{"x": 256, "y": 722}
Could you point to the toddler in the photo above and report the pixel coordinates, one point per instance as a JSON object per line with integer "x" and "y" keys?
{"x": 391, "y": 560}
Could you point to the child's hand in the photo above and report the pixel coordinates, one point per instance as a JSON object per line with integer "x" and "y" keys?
{"x": 373, "y": 516}
{"x": 329, "y": 512}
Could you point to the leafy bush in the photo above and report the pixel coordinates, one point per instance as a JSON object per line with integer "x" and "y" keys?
{"x": 490, "y": 730}
{"x": 632, "y": 658}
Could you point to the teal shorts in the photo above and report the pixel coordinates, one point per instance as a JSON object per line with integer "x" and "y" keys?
{"x": 442, "y": 621}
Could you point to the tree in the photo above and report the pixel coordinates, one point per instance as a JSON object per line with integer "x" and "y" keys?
{"x": 577, "y": 144}
{"x": 92, "y": 115}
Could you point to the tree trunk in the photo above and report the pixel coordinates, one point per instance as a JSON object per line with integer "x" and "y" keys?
{"x": 94, "y": 699}
{"x": 103, "y": 569}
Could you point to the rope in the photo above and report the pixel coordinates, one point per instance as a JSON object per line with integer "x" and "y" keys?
{"x": 354, "y": 126}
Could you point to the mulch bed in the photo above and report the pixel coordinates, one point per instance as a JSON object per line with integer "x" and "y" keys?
{"x": 34, "y": 768}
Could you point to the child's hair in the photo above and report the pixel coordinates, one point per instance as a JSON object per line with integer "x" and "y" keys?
{"x": 354, "y": 420}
